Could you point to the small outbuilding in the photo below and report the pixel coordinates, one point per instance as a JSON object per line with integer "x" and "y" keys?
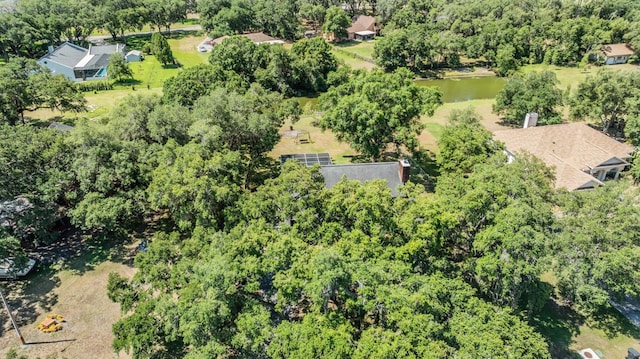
{"x": 134, "y": 56}
{"x": 615, "y": 54}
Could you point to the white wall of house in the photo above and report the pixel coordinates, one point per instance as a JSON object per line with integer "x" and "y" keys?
{"x": 56, "y": 68}
{"x": 614, "y": 60}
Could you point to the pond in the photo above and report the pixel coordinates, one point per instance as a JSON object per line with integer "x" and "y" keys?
{"x": 468, "y": 88}
{"x": 453, "y": 90}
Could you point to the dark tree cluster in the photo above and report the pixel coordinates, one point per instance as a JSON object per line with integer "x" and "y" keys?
{"x": 424, "y": 35}
{"x": 237, "y": 60}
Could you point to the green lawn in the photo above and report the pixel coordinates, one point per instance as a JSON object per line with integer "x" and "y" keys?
{"x": 364, "y": 49}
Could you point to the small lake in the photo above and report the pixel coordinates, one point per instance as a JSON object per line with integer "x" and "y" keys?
{"x": 453, "y": 90}
{"x": 467, "y": 88}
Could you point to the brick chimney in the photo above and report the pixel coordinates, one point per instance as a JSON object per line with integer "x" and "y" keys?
{"x": 404, "y": 168}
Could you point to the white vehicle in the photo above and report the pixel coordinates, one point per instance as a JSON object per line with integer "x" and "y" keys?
{"x": 7, "y": 270}
{"x": 202, "y": 48}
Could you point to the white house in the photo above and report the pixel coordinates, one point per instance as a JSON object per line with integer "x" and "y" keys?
{"x": 616, "y": 54}
{"x": 582, "y": 157}
{"x": 80, "y": 64}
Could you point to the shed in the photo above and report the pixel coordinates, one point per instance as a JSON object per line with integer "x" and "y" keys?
{"x": 134, "y": 56}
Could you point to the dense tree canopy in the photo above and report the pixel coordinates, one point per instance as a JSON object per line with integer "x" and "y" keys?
{"x": 374, "y": 110}
{"x": 533, "y": 92}
{"x": 610, "y": 98}
{"x": 309, "y": 272}
{"x": 302, "y": 70}
{"x": 464, "y": 142}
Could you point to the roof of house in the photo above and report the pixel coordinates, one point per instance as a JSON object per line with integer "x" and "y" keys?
{"x": 572, "y": 148}
{"x": 66, "y": 54}
{"x": 134, "y": 52}
{"x": 256, "y": 37}
{"x": 612, "y": 50}
{"x": 106, "y": 49}
{"x": 60, "y": 126}
{"x": 364, "y": 172}
{"x": 76, "y": 57}
{"x": 363, "y": 23}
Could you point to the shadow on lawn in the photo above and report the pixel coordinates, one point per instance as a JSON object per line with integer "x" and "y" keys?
{"x": 558, "y": 324}
{"x": 25, "y": 296}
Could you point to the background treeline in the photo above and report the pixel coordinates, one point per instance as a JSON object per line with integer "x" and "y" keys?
{"x": 423, "y": 35}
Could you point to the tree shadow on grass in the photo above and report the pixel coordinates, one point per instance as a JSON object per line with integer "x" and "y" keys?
{"x": 613, "y": 323}
{"x": 558, "y": 324}
{"x": 25, "y": 297}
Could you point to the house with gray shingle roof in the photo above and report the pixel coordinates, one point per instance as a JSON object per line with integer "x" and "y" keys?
{"x": 581, "y": 156}
{"x": 79, "y": 64}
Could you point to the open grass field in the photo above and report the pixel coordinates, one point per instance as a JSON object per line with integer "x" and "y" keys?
{"x": 362, "y": 48}
{"x": 76, "y": 289}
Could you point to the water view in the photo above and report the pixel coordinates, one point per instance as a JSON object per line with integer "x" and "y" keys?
{"x": 465, "y": 89}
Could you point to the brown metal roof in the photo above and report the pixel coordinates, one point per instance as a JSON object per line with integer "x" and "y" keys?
{"x": 572, "y": 148}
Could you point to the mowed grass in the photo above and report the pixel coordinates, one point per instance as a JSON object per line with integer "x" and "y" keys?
{"x": 80, "y": 296}
{"x": 319, "y": 142}
{"x": 362, "y": 48}
{"x": 352, "y": 61}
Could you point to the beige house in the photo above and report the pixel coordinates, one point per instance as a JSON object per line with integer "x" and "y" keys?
{"x": 616, "y": 53}
{"x": 582, "y": 157}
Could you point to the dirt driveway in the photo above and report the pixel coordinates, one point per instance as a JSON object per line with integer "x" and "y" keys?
{"x": 76, "y": 289}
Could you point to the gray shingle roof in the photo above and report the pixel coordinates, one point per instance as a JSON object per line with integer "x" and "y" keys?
{"x": 364, "y": 172}
{"x": 66, "y": 54}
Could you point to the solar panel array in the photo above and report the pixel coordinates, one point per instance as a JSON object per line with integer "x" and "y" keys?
{"x": 308, "y": 159}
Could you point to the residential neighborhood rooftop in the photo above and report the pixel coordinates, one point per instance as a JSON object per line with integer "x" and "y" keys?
{"x": 575, "y": 150}
{"x": 364, "y": 172}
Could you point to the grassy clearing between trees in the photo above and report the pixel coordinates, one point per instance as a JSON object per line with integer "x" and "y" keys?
{"x": 361, "y": 48}
{"x": 76, "y": 289}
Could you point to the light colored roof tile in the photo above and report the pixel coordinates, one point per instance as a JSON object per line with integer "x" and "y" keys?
{"x": 571, "y": 148}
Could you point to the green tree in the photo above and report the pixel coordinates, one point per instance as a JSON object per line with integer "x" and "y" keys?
{"x": 28, "y": 87}
{"x": 226, "y": 17}
{"x": 336, "y": 23}
{"x": 374, "y": 110}
{"x": 236, "y": 54}
{"x": 506, "y": 62}
{"x": 596, "y": 236}
{"x": 277, "y": 18}
{"x": 464, "y": 142}
{"x": 609, "y": 97}
{"x": 534, "y": 92}
{"x": 313, "y": 61}
{"x": 161, "y": 50}
{"x": 196, "y": 184}
{"x": 194, "y": 82}
{"x": 118, "y": 69}
{"x": 163, "y": 13}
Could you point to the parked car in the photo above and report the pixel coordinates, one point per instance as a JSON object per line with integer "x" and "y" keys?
{"x": 201, "y": 48}
{"x": 8, "y": 270}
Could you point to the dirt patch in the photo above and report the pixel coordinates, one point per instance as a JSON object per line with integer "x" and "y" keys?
{"x": 77, "y": 292}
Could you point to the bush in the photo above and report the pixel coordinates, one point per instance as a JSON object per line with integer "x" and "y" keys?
{"x": 95, "y": 86}
{"x": 146, "y": 48}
